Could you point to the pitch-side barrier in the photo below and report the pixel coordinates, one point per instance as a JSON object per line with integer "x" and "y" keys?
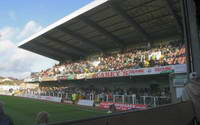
{"x": 45, "y": 98}
{"x": 173, "y": 114}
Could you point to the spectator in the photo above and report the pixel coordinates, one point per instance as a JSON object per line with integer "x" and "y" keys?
{"x": 168, "y": 54}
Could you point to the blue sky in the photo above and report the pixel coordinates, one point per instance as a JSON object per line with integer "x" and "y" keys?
{"x": 18, "y": 12}
{"x": 19, "y": 20}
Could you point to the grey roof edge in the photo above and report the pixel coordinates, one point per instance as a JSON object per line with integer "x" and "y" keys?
{"x": 63, "y": 20}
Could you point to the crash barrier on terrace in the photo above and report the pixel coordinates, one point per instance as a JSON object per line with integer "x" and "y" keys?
{"x": 152, "y": 101}
{"x": 173, "y": 114}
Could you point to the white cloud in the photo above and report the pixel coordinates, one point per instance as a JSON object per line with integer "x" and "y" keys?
{"x": 30, "y": 28}
{"x": 5, "y": 45}
{"x": 7, "y": 33}
{"x": 16, "y": 62}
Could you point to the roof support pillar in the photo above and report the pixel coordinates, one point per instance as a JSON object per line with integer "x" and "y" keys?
{"x": 177, "y": 18}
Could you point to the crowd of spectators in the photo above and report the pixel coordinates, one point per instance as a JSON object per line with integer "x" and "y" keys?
{"x": 167, "y": 54}
{"x": 100, "y": 93}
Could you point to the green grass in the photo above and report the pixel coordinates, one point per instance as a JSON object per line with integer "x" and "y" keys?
{"x": 23, "y": 111}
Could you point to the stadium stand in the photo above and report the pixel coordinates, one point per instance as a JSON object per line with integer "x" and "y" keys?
{"x": 112, "y": 39}
{"x": 106, "y": 25}
{"x": 133, "y": 58}
{"x": 161, "y": 54}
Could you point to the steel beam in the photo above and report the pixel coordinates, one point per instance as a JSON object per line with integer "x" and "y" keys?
{"x": 176, "y": 17}
{"x": 56, "y": 51}
{"x": 192, "y": 41}
{"x": 43, "y": 53}
{"x": 78, "y": 37}
{"x": 129, "y": 20}
{"x": 191, "y": 36}
{"x": 102, "y": 30}
{"x": 77, "y": 49}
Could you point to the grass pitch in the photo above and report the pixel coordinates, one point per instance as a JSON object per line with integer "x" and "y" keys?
{"x": 23, "y": 111}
